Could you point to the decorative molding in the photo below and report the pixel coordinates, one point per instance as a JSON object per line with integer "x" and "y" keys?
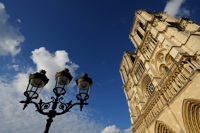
{"x": 160, "y": 127}
{"x": 160, "y": 45}
{"x": 155, "y": 23}
{"x": 191, "y": 113}
{"x": 160, "y": 57}
{"x": 152, "y": 61}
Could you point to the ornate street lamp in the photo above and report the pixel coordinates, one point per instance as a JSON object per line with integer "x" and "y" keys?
{"x": 38, "y": 80}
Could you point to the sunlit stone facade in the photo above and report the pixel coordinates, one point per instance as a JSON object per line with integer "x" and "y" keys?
{"x": 161, "y": 78}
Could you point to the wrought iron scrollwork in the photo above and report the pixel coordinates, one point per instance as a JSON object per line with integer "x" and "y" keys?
{"x": 55, "y": 102}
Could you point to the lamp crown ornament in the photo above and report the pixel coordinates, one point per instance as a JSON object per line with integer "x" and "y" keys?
{"x": 42, "y": 71}
{"x": 85, "y": 75}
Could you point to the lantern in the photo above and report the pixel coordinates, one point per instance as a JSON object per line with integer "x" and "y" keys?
{"x": 36, "y": 82}
{"x": 84, "y": 83}
{"x": 63, "y": 78}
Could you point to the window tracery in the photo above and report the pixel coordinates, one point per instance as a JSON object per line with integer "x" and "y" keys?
{"x": 139, "y": 69}
{"x": 148, "y": 87}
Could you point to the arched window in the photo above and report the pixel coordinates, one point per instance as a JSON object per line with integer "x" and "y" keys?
{"x": 191, "y": 115}
{"x": 148, "y": 87}
{"x": 142, "y": 26}
{"x": 139, "y": 69}
{"x": 160, "y": 127}
{"x": 139, "y": 34}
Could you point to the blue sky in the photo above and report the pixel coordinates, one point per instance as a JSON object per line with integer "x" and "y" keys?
{"x": 85, "y": 36}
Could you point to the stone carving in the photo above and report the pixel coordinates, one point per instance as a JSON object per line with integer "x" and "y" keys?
{"x": 160, "y": 127}
{"x": 155, "y": 23}
{"x": 152, "y": 61}
{"x": 174, "y": 76}
{"x": 160, "y": 58}
{"x": 160, "y": 45}
{"x": 138, "y": 11}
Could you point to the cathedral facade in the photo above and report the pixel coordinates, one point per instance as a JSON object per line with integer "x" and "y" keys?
{"x": 161, "y": 78}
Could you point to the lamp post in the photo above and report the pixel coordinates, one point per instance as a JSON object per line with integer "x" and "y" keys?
{"x": 38, "y": 80}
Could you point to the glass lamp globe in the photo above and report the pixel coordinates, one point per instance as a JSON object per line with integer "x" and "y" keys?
{"x": 63, "y": 78}
{"x": 36, "y": 82}
{"x": 84, "y": 83}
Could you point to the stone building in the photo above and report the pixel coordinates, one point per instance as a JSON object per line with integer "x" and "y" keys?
{"x": 161, "y": 78}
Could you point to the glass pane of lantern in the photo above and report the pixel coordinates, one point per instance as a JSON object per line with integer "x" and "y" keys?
{"x": 38, "y": 90}
{"x": 32, "y": 91}
{"x": 83, "y": 85}
{"x": 35, "y": 87}
{"x": 83, "y": 96}
{"x": 35, "y": 82}
{"x": 62, "y": 80}
{"x": 83, "y": 91}
{"x": 60, "y": 90}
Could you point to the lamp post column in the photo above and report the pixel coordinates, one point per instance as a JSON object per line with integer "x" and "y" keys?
{"x": 52, "y": 113}
{"x": 49, "y": 121}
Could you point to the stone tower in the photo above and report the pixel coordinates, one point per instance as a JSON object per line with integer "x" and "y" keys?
{"x": 161, "y": 78}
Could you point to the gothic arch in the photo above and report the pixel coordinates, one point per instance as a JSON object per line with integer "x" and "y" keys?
{"x": 147, "y": 86}
{"x": 138, "y": 72}
{"x": 191, "y": 115}
{"x": 160, "y": 127}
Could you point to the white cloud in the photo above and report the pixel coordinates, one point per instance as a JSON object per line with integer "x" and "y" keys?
{"x": 111, "y": 129}
{"x": 2, "y": 7}
{"x": 53, "y": 63}
{"x": 10, "y": 37}
{"x": 129, "y": 130}
{"x": 114, "y": 129}
{"x": 173, "y": 8}
{"x": 15, "y": 67}
{"x": 15, "y": 120}
{"x": 20, "y": 80}
{"x": 19, "y": 20}
{"x": 184, "y": 12}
